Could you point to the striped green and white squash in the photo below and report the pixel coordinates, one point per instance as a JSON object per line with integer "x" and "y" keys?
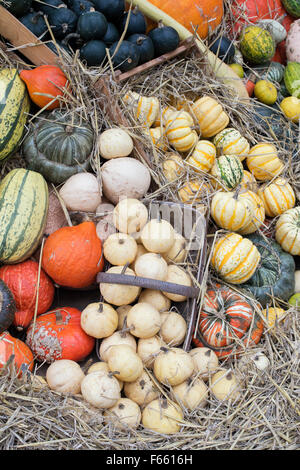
{"x": 230, "y": 142}
{"x": 292, "y": 78}
{"x": 228, "y": 171}
{"x": 274, "y": 73}
{"x": 14, "y": 106}
{"x": 292, "y": 7}
{"x": 257, "y": 45}
{"x": 23, "y": 214}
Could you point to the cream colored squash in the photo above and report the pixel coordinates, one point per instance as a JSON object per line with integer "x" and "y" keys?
{"x": 205, "y": 360}
{"x": 277, "y": 197}
{"x": 100, "y": 390}
{"x": 141, "y": 250}
{"x": 179, "y": 131}
{"x": 99, "y": 320}
{"x": 258, "y": 215}
{"x": 155, "y": 298}
{"x": 118, "y": 337}
{"x": 102, "y": 367}
{"x": 120, "y": 249}
{"x": 173, "y": 167}
{"x": 249, "y": 182}
{"x": 114, "y": 143}
{"x": 158, "y": 137}
{"x": 65, "y": 376}
{"x": 210, "y": 115}
{"x": 162, "y": 416}
{"x": 122, "y": 312}
{"x": 148, "y": 349}
{"x": 225, "y": 386}
{"x": 203, "y": 156}
{"x": 194, "y": 191}
{"x": 142, "y": 391}
{"x": 263, "y": 161}
{"x": 157, "y": 236}
{"x": 81, "y": 192}
{"x": 130, "y": 215}
{"x": 143, "y": 320}
{"x": 230, "y": 211}
{"x": 144, "y": 108}
{"x": 173, "y": 328}
{"x": 230, "y": 142}
{"x": 177, "y": 275}
{"x": 123, "y": 361}
{"x": 123, "y": 415}
{"x": 173, "y": 366}
{"x": 287, "y": 231}
{"x": 117, "y": 294}
{"x": 178, "y": 251}
{"x": 152, "y": 266}
{"x": 191, "y": 394}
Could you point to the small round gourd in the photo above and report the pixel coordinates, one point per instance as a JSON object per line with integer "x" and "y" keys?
{"x": 102, "y": 367}
{"x": 141, "y": 250}
{"x": 203, "y": 156}
{"x": 120, "y": 249}
{"x": 100, "y": 390}
{"x": 261, "y": 361}
{"x": 99, "y": 320}
{"x": 177, "y": 275}
{"x": 179, "y": 131}
{"x": 191, "y": 394}
{"x": 123, "y": 415}
{"x": 93, "y": 52}
{"x": 130, "y": 215}
{"x": 230, "y": 142}
{"x": 152, "y": 266}
{"x": 157, "y": 236}
{"x": 81, "y": 192}
{"x": 290, "y": 106}
{"x": 143, "y": 320}
{"x": 193, "y": 191}
{"x": 273, "y": 316}
{"x": 122, "y": 314}
{"x": 145, "y": 108}
{"x": 155, "y": 298}
{"x": 117, "y": 294}
{"x": 125, "y": 55}
{"x": 125, "y": 362}
{"x": 165, "y": 39}
{"x": 230, "y": 211}
{"x": 173, "y": 366}
{"x": 263, "y": 161}
{"x": 65, "y": 376}
{"x": 92, "y": 25}
{"x": 114, "y": 143}
{"x": 287, "y": 232}
{"x": 119, "y": 337}
{"x": 249, "y": 182}
{"x": 158, "y": 137}
{"x": 265, "y": 91}
{"x": 256, "y": 44}
{"x": 277, "y": 197}
{"x": 162, "y": 416}
{"x": 148, "y": 349}
{"x": 142, "y": 390}
{"x": 205, "y": 361}
{"x": 224, "y": 385}
{"x": 228, "y": 171}
{"x": 178, "y": 251}
{"x": 258, "y": 215}
{"x": 173, "y": 167}
{"x": 210, "y": 115}
{"x": 173, "y": 328}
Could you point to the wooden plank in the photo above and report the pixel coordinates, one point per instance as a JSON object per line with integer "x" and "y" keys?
{"x": 18, "y": 35}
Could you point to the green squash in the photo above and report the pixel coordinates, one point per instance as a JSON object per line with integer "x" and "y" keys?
{"x": 275, "y": 275}
{"x": 18, "y": 7}
{"x": 292, "y": 78}
{"x": 59, "y": 147}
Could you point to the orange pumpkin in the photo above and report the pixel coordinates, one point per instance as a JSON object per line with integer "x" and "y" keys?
{"x": 72, "y": 256}
{"x": 10, "y": 346}
{"x": 189, "y": 13}
{"x": 44, "y": 83}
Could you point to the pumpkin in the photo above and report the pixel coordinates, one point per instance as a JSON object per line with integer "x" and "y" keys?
{"x": 177, "y": 275}
{"x": 81, "y": 192}
{"x": 155, "y": 298}
{"x": 225, "y": 386}
{"x": 114, "y": 143}
{"x": 157, "y": 236}
{"x": 59, "y": 146}
{"x": 112, "y": 35}
{"x": 228, "y": 171}
{"x": 145, "y": 47}
{"x": 194, "y": 191}
{"x": 125, "y": 362}
{"x": 14, "y": 348}
{"x": 290, "y": 107}
{"x": 45, "y": 83}
{"x": 164, "y": 38}
{"x": 93, "y": 52}
{"x": 80, "y": 6}
{"x": 158, "y": 137}
{"x": 145, "y": 108}
{"x": 91, "y": 25}
{"x": 142, "y": 391}
{"x": 99, "y": 320}
{"x": 143, "y": 320}
{"x": 226, "y": 322}
{"x": 35, "y": 22}
{"x": 7, "y": 306}
{"x": 292, "y": 7}
{"x": 65, "y": 376}
{"x": 275, "y": 273}
{"x": 273, "y": 316}
{"x": 287, "y": 231}
{"x": 258, "y": 217}
{"x": 148, "y": 349}
{"x": 292, "y": 52}
{"x": 100, "y": 390}
{"x": 291, "y": 78}
{"x": 117, "y": 338}
{"x": 210, "y": 116}
{"x": 123, "y": 415}
{"x": 111, "y": 9}
{"x": 203, "y": 156}
{"x": 265, "y": 92}
{"x": 173, "y": 167}
{"x": 235, "y": 258}
{"x": 205, "y": 360}
{"x": 256, "y": 44}
{"x": 152, "y": 266}
{"x": 72, "y": 256}
{"x": 263, "y": 161}
{"x": 23, "y": 215}
{"x": 191, "y": 394}
{"x": 63, "y": 21}
{"x": 277, "y": 197}
{"x": 274, "y": 73}
{"x": 57, "y": 334}
{"x": 204, "y": 15}
{"x": 102, "y": 367}
{"x": 14, "y": 109}
{"x": 230, "y": 211}
{"x": 223, "y": 48}
{"x": 136, "y": 22}
{"x": 124, "y": 56}
{"x": 230, "y": 142}
{"x": 130, "y": 215}
{"x": 23, "y": 280}
{"x": 172, "y": 366}
{"x": 117, "y": 294}
{"x": 119, "y": 249}
{"x": 173, "y": 328}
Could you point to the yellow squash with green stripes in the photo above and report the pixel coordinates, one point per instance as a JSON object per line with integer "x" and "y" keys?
{"x": 23, "y": 214}
{"x": 14, "y": 108}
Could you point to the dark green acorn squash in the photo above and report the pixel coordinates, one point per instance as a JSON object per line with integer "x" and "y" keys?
{"x": 7, "y": 307}
{"x": 35, "y": 23}
{"x": 127, "y": 56}
{"x": 18, "y": 7}
{"x": 91, "y": 25}
{"x": 81, "y": 6}
{"x": 112, "y": 34}
{"x": 48, "y": 6}
{"x": 223, "y": 48}
{"x": 111, "y": 9}
{"x": 93, "y": 52}
{"x": 136, "y": 25}
{"x": 52, "y": 46}
{"x": 165, "y": 39}
{"x": 63, "y": 21}
{"x": 59, "y": 147}
{"x": 145, "y": 46}
{"x": 275, "y": 275}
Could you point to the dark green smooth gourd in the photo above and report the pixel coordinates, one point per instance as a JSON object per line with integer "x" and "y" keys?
{"x": 136, "y": 25}
{"x": 18, "y": 7}
{"x": 145, "y": 47}
{"x": 127, "y": 56}
{"x": 165, "y": 39}
{"x": 63, "y": 21}
{"x": 80, "y": 6}
{"x": 111, "y": 9}
{"x": 35, "y": 23}
{"x": 48, "y": 6}
{"x": 92, "y": 25}
{"x": 112, "y": 34}
{"x": 93, "y": 52}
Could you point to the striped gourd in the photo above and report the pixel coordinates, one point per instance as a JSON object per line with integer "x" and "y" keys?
{"x": 249, "y": 182}
{"x": 258, "y": 215}
{"x": 274, "y": 73}
{"x": 23, "y": 214}
{"x": 14, "y": 106}
{"x": 277, "y": 197}
{"x": 257, "y": 44}
{"x": 173, "y": 167}
{"x": 263, "y": 161}
{"x": 292, "y": 7}
{"x": 210, "y": 115}
{"x": 228, "y": 170}
{"x": 194, "y": 191}
{"x": 292, "y": 78}
{"x": 235, "y": 258}
{"x": 287, "y": 231}
{"x": 203, "y": 156}
{"x": 163, "y": 116}
{"x": 158, "y": 137}
{"x": 179, "y": 131}
{"x": 230, "y": 211}
{"x": 230, "y": 142}
{"x": 145, "y": 108}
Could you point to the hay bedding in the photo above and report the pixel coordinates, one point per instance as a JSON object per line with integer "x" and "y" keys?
{"x": 267, "y": 414}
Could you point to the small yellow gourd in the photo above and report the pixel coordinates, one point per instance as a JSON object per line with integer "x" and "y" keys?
{"x": 142, "y": 391}
{"x": 177, "y": 275}
{"x": 277, "y": 197}
{"x": 194, "y": 191}
{"x": 191, "y": 394}
{"x": 122, "y": 312}
{"x": 100, "y": 389}
{"x": 273, "y": 316}
{"x": 162, "y": 416}
{"x": 203, "y": 156}
{"x": 265, "y": 91}
{"x": 155, "y": 298}
{"x": 119, "y": 337}
{"x": 173, "y": 366}
{"x": 230, "y": 211}
{"x": 149, "y": 348}
{"x": 224, "y": 385}
{"x": 157, "y": 236}
{"x": 65, "y": 376}
{"x": 102, "y": 367}
{"x": 173, "y": 167}
{"x": 123, "y": 415}
{"x": 117, "y": 294}
{"x": 173, "y": 328}
{"x": 179, "y": 131}
{"x": 210, "y": 115}
{"x": 99, "y": 320}
{"x": 124, "y": 362}
{"x": 152, "y": 266}
{"x": 119, "y": 249}
{"x": 145, "y": 108}
{"x": 290, "y": 106}
{"x": 115, "y": 143}
{"x": 178, "y": 251}
{"x": 205, "y": 360}
{"x": 263, "y": 161}
{"x": 143, "y": 320}
{"x": 130, "y": 215}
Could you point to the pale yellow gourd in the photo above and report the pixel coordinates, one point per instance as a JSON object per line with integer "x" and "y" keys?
{"x": 157, "y": 236}
{"x": 173, "y": 328}
{"x": 191, "y": 394}
{"x": 118, "y": 337}
{"x": 99, "y": 320}
{"x": 225, "y": 386}
{"x": 100, "y": 389}
{"x": 162, "y": 416}
{"x": 149, "y": 348}
{"x": 203, "y": 156}
{"x": 142, "y": 391}
{"x": 152, "y": 266}
{"x": 258, "y": 215}
{"x": 123, "y": 415}
{"x": 158, "y": 137}
{"x": 287, "y": 231}
{"x": 205, "y": 360}
{"x": 130, "y": 215}
{"x": 173, "y": 366}
{"x": 277, "y": 197}
{"x": 122, "y": 312}
{"x": 143, "y": 320}
{"x": 102, "y": 367}
{"x": 177, "y": 275}
{"x": 230, "y": 142}
{"x": 155, "y": 298}
{"x": 120, "y": 249}
{"x": 263, "y": 161}
{"x": 194, "y": 191}
{"x": 179, "y": 131}
{"x": 144, "y": 108}
{"x": 114, "y": 143}
{"x": 173, "y": 167}
{"x": 117, "y": 294}
{"x": 65, "y": 376}
{"x": 178, "y": 251}
{"x": 210, "y": 115}
{"x": 123, "y": 361}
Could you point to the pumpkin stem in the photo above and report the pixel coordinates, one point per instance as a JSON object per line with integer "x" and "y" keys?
{"x": 113, "y": 373}
{"x": 237, "y": 191}
{"x": 160, "y": 24}
{"x": 36, "y": 16}
{"x": 65, "y": 41}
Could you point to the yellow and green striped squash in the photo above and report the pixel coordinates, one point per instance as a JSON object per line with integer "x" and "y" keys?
{"x": 230, "y": 142}
{"x": 277, "y": 197}
{"x": 179, "y": 131}
{"x": 235, "y": 258}
{"x": 263, "y": 161}
{"x": 14, "y": 108}
{"x": 287, "y": 231}
{"x": 249, "y": 182}
{"x": 257, "y": 45}
{"x": 23, "y": 214}
{"x": 228, "y": 171}
{"x": 203, "y": 156}
{"x": 230, "y": 211}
